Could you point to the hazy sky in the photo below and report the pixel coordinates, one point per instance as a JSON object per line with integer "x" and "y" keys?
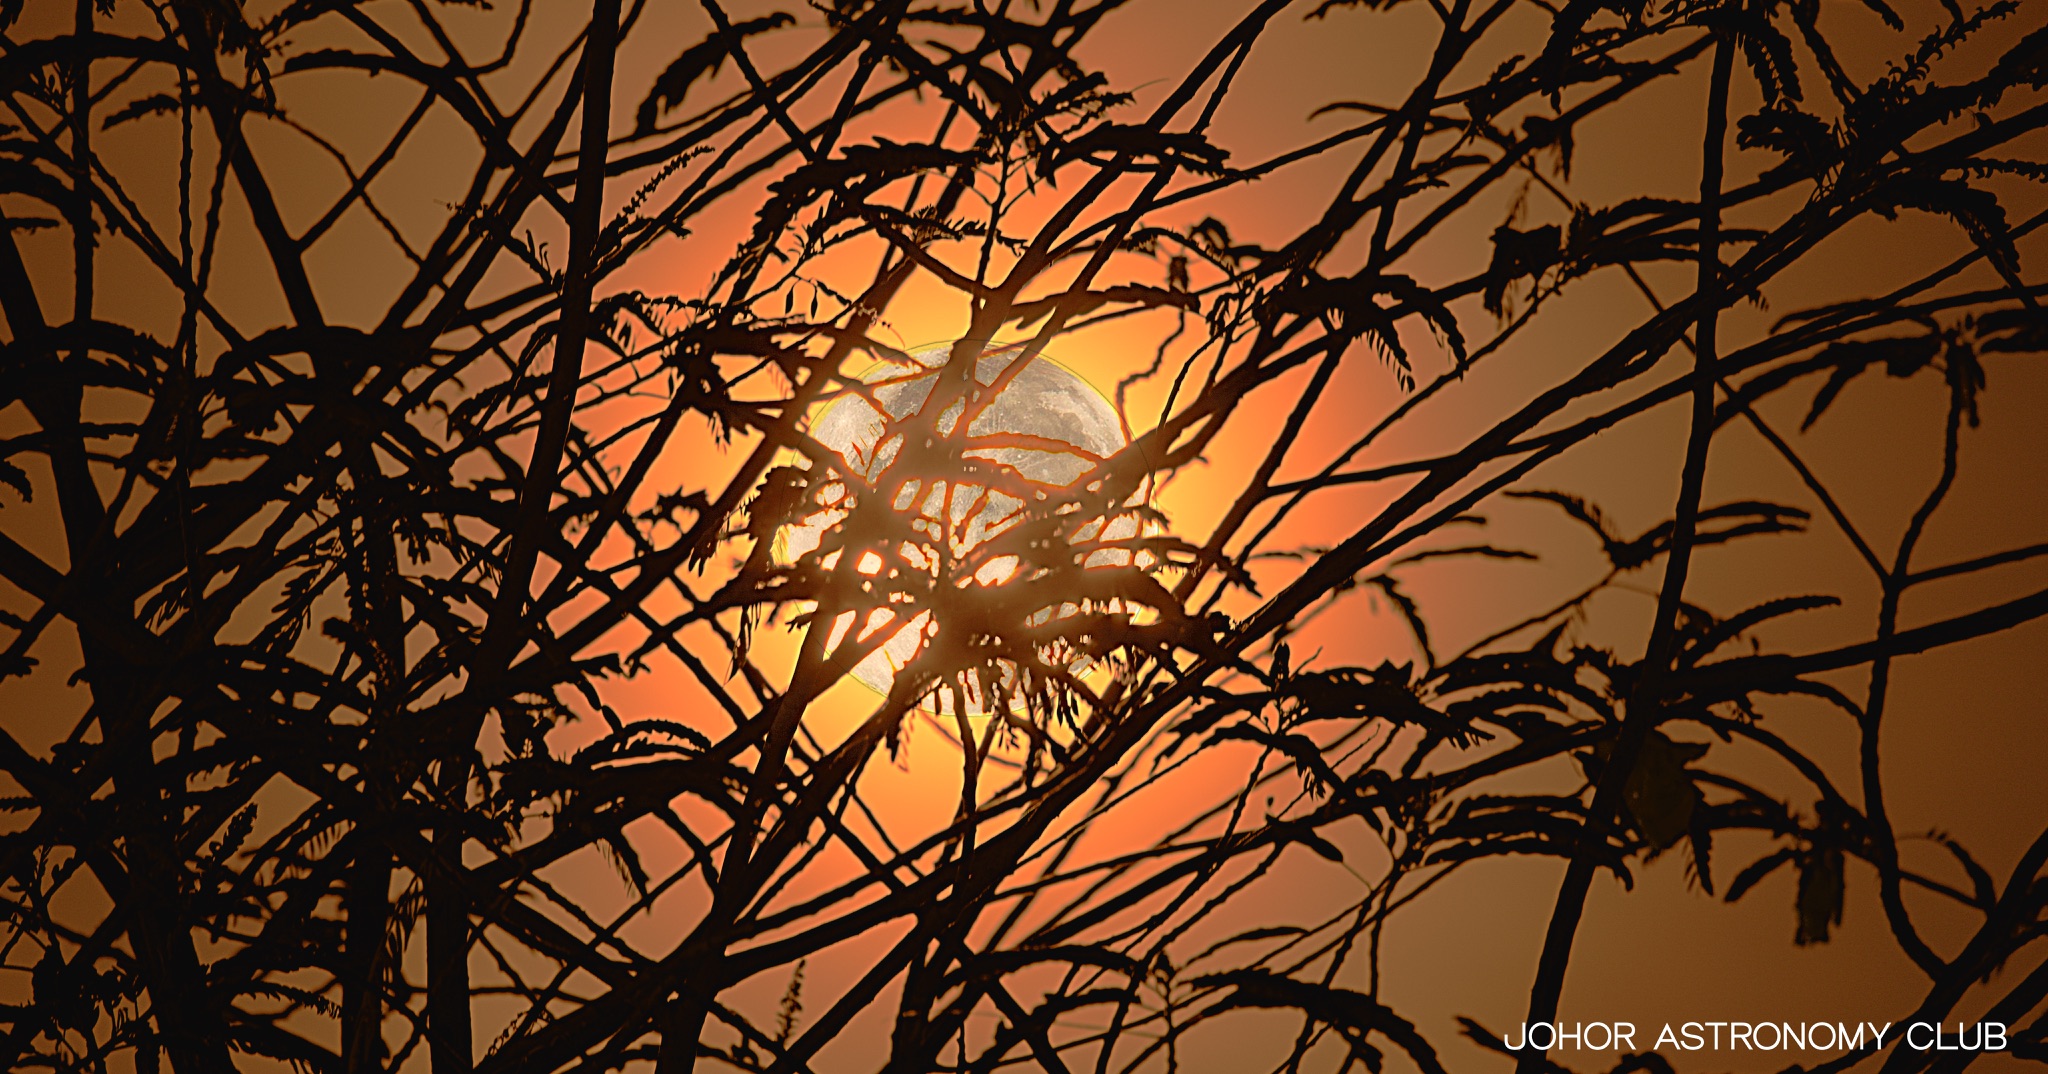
{"x": 1964, "y": 742}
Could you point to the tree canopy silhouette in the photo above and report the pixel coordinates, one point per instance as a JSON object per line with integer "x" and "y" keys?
{"x": 347, "y": 542}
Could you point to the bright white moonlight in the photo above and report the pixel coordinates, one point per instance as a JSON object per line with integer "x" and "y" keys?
{"x": 1043, "y": 400}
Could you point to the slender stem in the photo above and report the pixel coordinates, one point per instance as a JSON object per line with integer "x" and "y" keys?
{"x": 1640, "y": 713}
{"x": 1883, "y": 843}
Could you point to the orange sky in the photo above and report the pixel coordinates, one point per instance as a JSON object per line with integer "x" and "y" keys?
{"x": 1664, "y": 952}
{"x": 1966, "y": 734}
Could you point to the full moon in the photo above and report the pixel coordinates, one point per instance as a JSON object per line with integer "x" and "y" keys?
{"x": 1070, "y": 425}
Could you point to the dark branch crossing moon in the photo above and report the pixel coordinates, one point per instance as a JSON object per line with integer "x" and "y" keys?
{"x": 1047, "y": 423}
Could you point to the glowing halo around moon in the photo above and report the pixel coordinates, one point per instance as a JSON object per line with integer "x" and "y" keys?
{"x": 1071, "y": 426}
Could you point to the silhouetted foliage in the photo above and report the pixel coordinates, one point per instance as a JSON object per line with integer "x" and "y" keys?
{"x": 338, "y": 583}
